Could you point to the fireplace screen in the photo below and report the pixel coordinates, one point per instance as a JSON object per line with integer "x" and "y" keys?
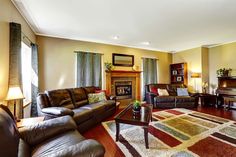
{"x": 123, "y": 90}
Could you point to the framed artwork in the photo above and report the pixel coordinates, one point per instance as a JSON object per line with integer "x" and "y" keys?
{"x": 174, "y": 72}
{"x": 122, "y": 60}
{"x": 179, "y": 79}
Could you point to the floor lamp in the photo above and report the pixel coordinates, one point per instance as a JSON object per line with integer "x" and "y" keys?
{"x": 195, "y": 76}
{"x": 14, "y": 94}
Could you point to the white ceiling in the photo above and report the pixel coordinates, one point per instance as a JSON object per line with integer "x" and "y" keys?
{"x": 168, "y": 25}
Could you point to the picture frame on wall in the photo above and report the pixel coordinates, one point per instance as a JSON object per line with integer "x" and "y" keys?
{"x": 122, "y": 60}
{"x": 174, "y": 72}
{"x": 179, "y": 79}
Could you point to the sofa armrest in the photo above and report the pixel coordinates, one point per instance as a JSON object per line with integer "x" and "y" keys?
{"x": 86, "y": 148}
{"x": 58, "y": 111}
{"x": 150, "y": 97}
{"x": 111, "y": 97}
{"x": 193, "y": 94}
{"x": 34, "y": 134}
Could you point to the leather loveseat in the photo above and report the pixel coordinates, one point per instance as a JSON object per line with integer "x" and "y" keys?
{"x": 171, "y": 101}
{"x": 55, "y": 138}
{"x": 74, "y": 102}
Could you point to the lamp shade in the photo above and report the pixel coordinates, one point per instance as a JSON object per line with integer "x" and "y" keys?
{"x": 14, "y": 93}
{"x": 196, "y": 75}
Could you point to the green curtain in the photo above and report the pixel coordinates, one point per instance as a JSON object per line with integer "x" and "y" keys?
{"x": 149, "y": 72}
{"x": 34, "y": 80}
{"x": 89, "y": 70}
{"x": 15, "y": 78}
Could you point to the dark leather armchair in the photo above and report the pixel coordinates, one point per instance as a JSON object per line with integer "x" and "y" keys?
{"x": 56, "y": 137}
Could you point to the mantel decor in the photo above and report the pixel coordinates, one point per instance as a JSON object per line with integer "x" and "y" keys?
{"x": 223, "y": 72}
{"x": 122, "y": 60}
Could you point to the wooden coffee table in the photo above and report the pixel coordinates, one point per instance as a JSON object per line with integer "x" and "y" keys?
{"x": 126, "y": 116}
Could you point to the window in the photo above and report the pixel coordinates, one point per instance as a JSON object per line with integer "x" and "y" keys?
{"x": 26, "y": 72}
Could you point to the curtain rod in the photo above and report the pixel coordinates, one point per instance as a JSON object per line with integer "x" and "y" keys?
{"x": 88, "y": 52}
{"x": 25, "y": 37}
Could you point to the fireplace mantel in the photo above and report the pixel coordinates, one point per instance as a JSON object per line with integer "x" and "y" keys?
{"x": 124, "y": 75}
{"x": 122, "y": 71}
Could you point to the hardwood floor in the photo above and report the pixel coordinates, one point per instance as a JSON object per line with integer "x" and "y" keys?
{"x": 112, "y": 150}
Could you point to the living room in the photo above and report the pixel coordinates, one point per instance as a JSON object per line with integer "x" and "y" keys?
{"x": 174, "y": 62}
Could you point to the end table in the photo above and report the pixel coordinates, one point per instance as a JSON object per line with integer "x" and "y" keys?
{"x": 29, "y": 121}
{"x": 207, "y": 99}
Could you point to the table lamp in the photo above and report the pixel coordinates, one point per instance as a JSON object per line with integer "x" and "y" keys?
{"x": 14, "y": 93}
{"x": 195, "y": 75}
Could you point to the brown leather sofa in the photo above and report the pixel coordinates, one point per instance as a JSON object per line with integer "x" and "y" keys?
{"x": 55, "y": 138}
{"x": 74, "y": 102}
{"x": 171, "y": 101}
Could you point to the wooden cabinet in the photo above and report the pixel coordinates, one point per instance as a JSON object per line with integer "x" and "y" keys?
{"x": 178, "y": 73}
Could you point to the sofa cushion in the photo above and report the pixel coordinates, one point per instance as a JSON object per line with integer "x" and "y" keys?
{"x": 163, "y": 92}
{"x": 154, "y": 90}
{"x": 97, "y": 108}
{"x": 60, "y": 98}
{"x": 165, "y": 99}
{"x": 182, "y": 92}
{"x": 58, "y": 111}
{"x": 82, "y": 114}
{"x": 96, "y": 97}
{"x": 89, "y": 90}
{"x": 58, "y": 143}
{"x": 42, "y": 100}
{"x": 160, "y": 86}
{"x": 79, "y": 97}
{"x": 183, "y": 99}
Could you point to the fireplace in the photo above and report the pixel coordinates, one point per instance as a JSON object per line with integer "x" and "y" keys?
{"x": 123, "y": 89}
{"x": 125, "y": 85}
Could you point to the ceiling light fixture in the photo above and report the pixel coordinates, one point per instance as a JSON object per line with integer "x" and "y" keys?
{"x": 115, "y": 37}
{"x": 146, "y": 43}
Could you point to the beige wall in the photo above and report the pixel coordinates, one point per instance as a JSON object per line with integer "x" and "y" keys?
{"x": 193, "y": 58}
{"x": 223, "y": 56}
{"x": 57, "y": 60}
{"x": 205, "y": 65}
{"x": 208, "y": 61}
{"x": 9, "y": 14}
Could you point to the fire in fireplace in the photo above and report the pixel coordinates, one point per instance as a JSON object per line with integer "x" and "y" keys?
{"x": 123, "y": 89}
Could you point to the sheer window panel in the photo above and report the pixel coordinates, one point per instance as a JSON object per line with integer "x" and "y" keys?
{"x": 26, "y": 72}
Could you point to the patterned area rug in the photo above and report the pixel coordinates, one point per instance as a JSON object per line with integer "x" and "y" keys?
{"x": 178, "y": 133}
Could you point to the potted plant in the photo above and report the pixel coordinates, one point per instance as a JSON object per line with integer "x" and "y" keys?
{"x": 109, "y": 66}
{"x": 223, "y": 72}
{"x": 136, "y": 106}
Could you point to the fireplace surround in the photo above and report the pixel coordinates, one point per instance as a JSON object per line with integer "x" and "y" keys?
{"x": 125, "y": 85}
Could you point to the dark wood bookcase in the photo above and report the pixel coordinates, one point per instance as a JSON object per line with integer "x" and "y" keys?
{"x": 178, "y": 73}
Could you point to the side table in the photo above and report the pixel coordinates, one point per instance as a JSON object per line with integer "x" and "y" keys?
{"x": 207, "y": 99}
{"x": 29, "y": 121}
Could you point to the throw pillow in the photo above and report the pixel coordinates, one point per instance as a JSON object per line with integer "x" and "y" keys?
{"x": 163, "y": 92}
{"x": 96, "y": 97}
{"x": 154, "y": 90}
{"x": 182, "y": 92}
